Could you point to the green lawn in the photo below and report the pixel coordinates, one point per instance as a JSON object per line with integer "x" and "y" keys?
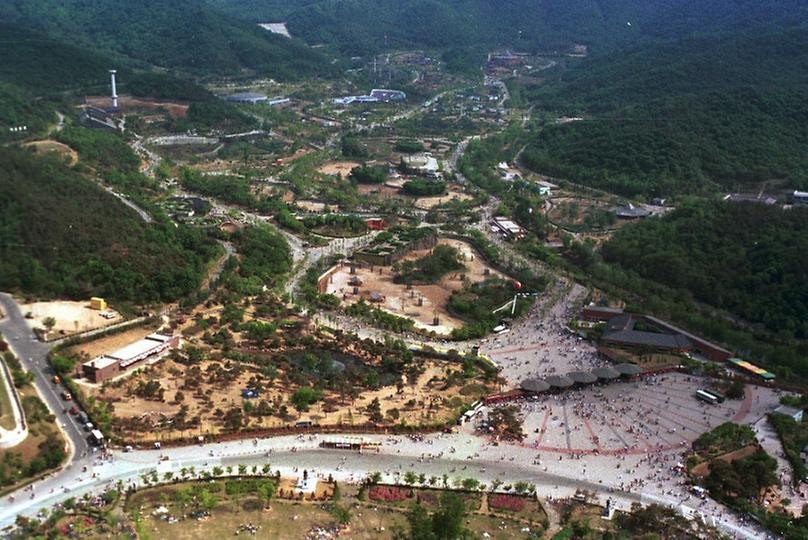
{"x": 6, "y": 409}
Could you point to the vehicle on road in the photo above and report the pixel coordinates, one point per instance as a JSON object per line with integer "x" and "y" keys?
{"x": 56, "y": 379}
{"x": 73, "y": 410}
{"x": 66, "y": 396}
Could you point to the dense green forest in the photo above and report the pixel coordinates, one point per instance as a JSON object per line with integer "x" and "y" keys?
{"x": 731, "y": 140}
{"x": 61, "y": 235}
{"x": 362, "y": 26}
{"x": 215, "y": 114}
{"x": 429, "y": 268}
{"x": 49, "y": 67}
{"x": 188, "y": 35}
{"x": 264, "y": 258}
{"x": 103, "y": 150}
{"x": 692, "y": 116}
{"x": 17, "y": 109}
{"x": 746, "y": 258}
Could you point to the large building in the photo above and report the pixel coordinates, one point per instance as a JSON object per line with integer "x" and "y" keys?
{"x": 385, "y": 95}
{"x": 649, "y": 333}
{"x": 421, "y": 165}
{"x": 93, "y": 117}
{"x": 152, "y": 347}
{"x": 247, "y": 97}
{"x": 507, "y": 228}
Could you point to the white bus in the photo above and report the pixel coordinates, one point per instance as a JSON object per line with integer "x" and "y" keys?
{"x": 706, "y": 397}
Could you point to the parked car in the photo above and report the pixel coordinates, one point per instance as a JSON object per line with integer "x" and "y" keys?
{"x": 66, "y": 396}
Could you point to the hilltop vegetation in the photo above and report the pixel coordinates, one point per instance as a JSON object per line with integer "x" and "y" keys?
{"x": 694, "y": 116}
{"x": 187, "y": 35}
{"x": 362, "y": 26}
{"x": 61, "y": 235}
{"x": 730, "y": 140}
{"x": 17, "y": 109}
{"x": 746, "y": 258}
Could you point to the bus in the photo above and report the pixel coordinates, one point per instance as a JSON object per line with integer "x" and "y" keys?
{"x": 718, "y": 395}
{"x": 707, "y": 397}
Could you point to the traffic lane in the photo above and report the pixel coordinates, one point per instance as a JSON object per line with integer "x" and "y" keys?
{"x": 342, "y": 465}
{"x": 33, "y": 357}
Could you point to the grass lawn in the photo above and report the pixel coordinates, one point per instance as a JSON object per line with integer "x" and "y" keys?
{"x": 293, "y": 519}
{"x": 6, "y": 410}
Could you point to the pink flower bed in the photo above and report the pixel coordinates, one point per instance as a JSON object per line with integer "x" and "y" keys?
{"x": 506, "y": 502}
{"x": 388, "y": 493}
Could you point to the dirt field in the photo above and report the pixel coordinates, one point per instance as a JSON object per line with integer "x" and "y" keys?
{"x": 429, "y": 401}
{"x": 381, "y": 191}
{"x": 109, "y": 344}
{"x": 71, "y": 317}
{"x": 400, "y": 301}
{"x": 47, "y": 147}
{"x": 342, "y": 168}
{"x": 132, "y": 104}
{"x": 425, "y": 203}
{"x": 314, "y": 206}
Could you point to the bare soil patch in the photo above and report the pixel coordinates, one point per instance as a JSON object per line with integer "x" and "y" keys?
{"x": 54, "y": 147}
{"x": 71, "y": 317}
{"x": 342, "y": 168}
{"x": 422, "y": 302}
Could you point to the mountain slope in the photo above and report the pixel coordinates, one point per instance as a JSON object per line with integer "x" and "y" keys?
{"x": 528, "y": 24}
{"x": 62, "y": 235}
{"x": 694, "y": 116}
{"x": 187, "y": 35}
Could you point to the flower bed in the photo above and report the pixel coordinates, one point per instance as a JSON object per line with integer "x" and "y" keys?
{"x": 389, "y": 493}
{"x": 506, "y": 502}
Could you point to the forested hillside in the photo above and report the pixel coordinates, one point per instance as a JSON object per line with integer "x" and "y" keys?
{"x": 361, "y": 26}
{"x": 187, "y": 35}
{"x": 692, "y": 116}
{"x": 748, "y": 259}
{"x": 61, "y": 235}
{"x": 730, "y": 141}
{"x": 17, "y": 109}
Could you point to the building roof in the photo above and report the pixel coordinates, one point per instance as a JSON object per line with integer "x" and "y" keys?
{"x": 757, "y": 198}
{"x": 602, "y": 309}
{"x": 384, "y": 94}
{"x": 623, "y": 321}
{"x": 534, "y": 385}
{"x": 559, "y": 381}
{"x": 133, "y": 350}
{"x": 607, "y": 372}
{"x": 582, "y": 377}
{"x": 508, "y": 225}
{"x": 246, "y": 96}
{"x": 423, "y": 162}
{"x": 693, "y": 338}
{"x": 101, "y": 362}
{"x": 628, "y": 368}
{"x": 787, "y": 410}
{"x": 631, "y": 211}
{"x": 650, "y": 339}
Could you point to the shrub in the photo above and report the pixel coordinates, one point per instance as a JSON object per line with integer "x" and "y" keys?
{"x": 389, "y": 493}
{"x": 506, "y": 502}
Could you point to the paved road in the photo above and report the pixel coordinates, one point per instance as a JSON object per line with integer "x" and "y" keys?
{"x": 290, "y": 455}
{"x": 33, "y": 356}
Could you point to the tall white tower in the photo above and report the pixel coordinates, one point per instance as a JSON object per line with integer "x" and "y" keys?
{"x": 114, "y": 90}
